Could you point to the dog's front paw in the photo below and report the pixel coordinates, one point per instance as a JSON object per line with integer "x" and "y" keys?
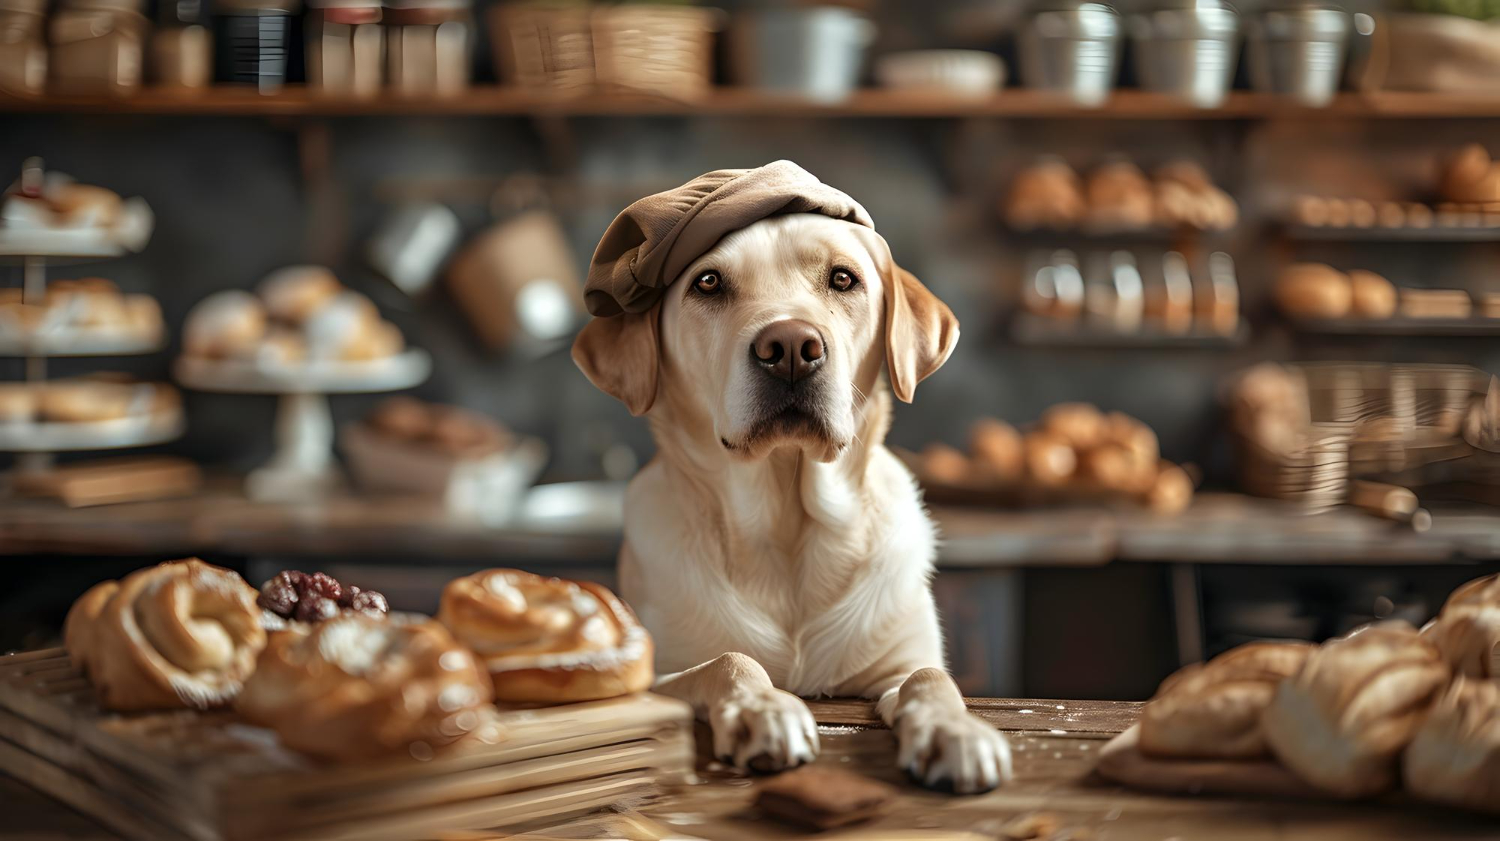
{"x": 945, "y": 750}
{"x": 764, "y": 730}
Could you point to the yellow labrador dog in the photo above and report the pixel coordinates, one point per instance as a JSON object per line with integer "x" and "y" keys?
{"x": 774, "y": 547}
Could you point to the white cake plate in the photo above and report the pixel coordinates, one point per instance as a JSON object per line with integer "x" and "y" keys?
{"x": 303, "y": 466}
{"x": 55, "y": 437}
{"x": 80, "y": 342}
{"x": 62, "y": 245}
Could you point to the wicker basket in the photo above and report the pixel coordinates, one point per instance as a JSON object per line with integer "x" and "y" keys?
{"x": 1366, "y": 419}
{"x": 662, "y": 50}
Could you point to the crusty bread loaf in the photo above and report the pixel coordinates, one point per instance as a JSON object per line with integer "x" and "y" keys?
{"x": 1212, "y": 710}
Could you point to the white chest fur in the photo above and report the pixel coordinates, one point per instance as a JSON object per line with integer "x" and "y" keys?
{"x": 816, "y": 581}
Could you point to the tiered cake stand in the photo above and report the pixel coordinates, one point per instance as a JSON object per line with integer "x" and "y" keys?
{"x": 36, "y": 442}
{"x": 303, "y": 467}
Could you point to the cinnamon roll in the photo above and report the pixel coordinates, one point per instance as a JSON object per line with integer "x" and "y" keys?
{"x": 356, "y": 687}
{"x": 181, "y": 634}
{"x": 546, "y": 640}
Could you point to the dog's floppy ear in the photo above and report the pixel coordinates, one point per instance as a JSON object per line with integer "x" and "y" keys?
{"x": 619, "y": 355}
{"x": 920, "y": 330}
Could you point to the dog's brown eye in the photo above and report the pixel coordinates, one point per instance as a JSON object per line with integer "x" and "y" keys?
{"x": 708, "y": 283}
{"x": 841, "y": 280}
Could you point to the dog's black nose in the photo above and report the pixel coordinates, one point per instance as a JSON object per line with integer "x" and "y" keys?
{"x": 789, "y": 350}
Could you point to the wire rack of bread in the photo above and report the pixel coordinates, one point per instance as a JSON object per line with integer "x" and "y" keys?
{"x": 204, "y": 708}
{"x": 1073, "y": 453}
{"x": 1386, "y": 707}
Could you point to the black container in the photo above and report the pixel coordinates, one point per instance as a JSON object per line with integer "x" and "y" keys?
{"x": 257, "y": 42}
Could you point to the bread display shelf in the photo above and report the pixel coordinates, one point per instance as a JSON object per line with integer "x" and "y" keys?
{"x": 1401, "y": 326}
{"x": 1435, "y": 234}
{"x": 1040, "y": 331}
{"x": 403, "y": 370}
{"x": 51, "y": 437}
{"x": 187, "y": 776}
{"x": 80, "y": 342}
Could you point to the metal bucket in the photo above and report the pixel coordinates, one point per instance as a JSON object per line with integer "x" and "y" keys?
{"x": 1188, "y": 53}
{"x": 1299, "y": 52}
{"x": 813, "y": 52}
{"x": 1075, "y": 52}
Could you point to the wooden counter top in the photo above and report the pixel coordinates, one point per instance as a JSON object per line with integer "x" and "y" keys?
{"x": 1054, "y": 744}
{"x": 1219, "y": 528}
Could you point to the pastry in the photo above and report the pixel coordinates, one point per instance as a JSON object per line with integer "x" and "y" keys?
{"x": 142, "y": 315}
{"x": 356, "y": 688}
{"x": 546, "y": 640}
{"x": 1048, "y": 194}
{"x": 448, "y": 429}
{"x": 1119, "y": 197}
{"x": 1481, "y": 592}
{"x": 1436, "y": 303}
{"x": 1390, "y": 214}
{"x": 1371, "y": 296}
{"x": 824, "y": 798}
{"x": 1311, "y": 211}
{"x": 1212, "y": 710}
{"x": 181, "y": 634}
{"x": 944, "y": 464}
{"x": 292, "y": 595}
{"x": 1470, "y": 176}
{"x": 82, "y": 619}
{"x": 229, "y": 324}
{"x": 997, "y": 449}
{"x": 1454, "y": 758}
{"x": 18, "y": 403}
{"x": 1343, "y": 720}
{"x": 1469, "y": 639}
{"x": 1313, "y": 290}
{"x": 345, "y": 327}
{"x": 281, "y": 346}
{"x": 402, "y": 417}
{"x": 84, "y": 205}
{"x": 294, "y": 293}
{"x": 85, "y": 401}
{"x": 1080, "y": 425}
{"x": 1186, "y": 197}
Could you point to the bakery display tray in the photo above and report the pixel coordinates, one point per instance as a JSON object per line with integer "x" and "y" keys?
{"x": 403, "y": 370}
{"x": 81, "y": 342}
{"x": 56, "y": 436}
{"x": 191, "y": 776}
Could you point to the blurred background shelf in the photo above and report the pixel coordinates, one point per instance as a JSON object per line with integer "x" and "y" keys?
{"x": 1307, "y": 233}
{"x": 1036, "y": 331}
{"x": 1402, "y": 327}
{"x": 294, "y": 100}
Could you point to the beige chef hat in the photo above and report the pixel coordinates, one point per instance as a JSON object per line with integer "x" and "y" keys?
{"x": 654, "y": 240}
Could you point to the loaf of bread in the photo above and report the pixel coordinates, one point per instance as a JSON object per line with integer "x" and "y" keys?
{"x": 1342, "y": 722}
{"x": 1313, "y": 290}
{"x": 1213, "y": 709}
{"x": 1454, "y": 758}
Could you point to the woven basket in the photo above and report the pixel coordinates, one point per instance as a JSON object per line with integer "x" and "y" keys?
{"x": 1367, "y": 419}
{"x": 569, "y": 50}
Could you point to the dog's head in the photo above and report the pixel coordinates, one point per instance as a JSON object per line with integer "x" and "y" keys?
{"x": 776, "y": 337}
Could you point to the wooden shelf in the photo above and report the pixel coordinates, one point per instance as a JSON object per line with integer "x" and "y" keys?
{"x": 494, "y": 100}
{"x": 1402, "y": 327}
{"x": 1036, "y": 331}
{"x": 1478, "y": 233}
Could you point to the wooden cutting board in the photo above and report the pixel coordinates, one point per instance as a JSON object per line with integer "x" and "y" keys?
{"x": 191, "y": 776}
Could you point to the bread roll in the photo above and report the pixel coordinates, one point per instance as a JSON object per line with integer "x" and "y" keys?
{"x": 1313, "y": 290}
{"x": 1050, "y": 461}
{"x": 546, "y": 640}
{"x": 85, "y": 205}
{"x": 1048, "y": 194}
{"x": 1119, "y": 197}
{"x": 942, "y": 463}
{"x": 294, "y": 293}
{"x": 356, "y": 687}
{"x": 1454, "y": 758}
{"x": 1343, "y": 720}
{"x": 228, "y": 324}
{"x": 1212, "y": 710}
{"x": 998, "y": 450}
{"x": 1371, "y": 295}
{"x": 1470, "y": 176}
{"x": 1467, "y": 629}
{"x": 18, "y": 403}
{"x": 181, "y": 634}
{"x": 1171, "y": 492}
{"x": 1080, "y": 425}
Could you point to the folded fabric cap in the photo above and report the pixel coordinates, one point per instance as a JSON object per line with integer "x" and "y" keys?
{"x": 654, "y": 240}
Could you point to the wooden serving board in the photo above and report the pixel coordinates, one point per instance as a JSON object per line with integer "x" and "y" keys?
{"x": 190, "y": 776}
